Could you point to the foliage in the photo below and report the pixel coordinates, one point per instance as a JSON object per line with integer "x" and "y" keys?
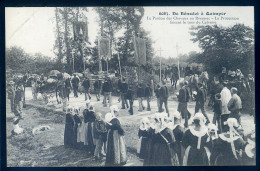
{"x": 230, "y": 47}
{"x": 65, "y": 44}
{"x": 21, "y": 62}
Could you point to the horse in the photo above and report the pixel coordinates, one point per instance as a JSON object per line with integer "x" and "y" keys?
{"x": 203, "y": 79}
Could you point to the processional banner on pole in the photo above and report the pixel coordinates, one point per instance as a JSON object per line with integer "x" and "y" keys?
{"x": 140, "y": 51}
{"x": 80, "y": 30}
{"x": 104, "y": 48}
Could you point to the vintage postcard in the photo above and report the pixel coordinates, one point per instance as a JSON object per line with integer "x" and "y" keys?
{"x": 130, "y": 86}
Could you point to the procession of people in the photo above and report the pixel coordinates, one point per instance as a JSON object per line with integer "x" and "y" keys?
{"x": 164, "y": 139}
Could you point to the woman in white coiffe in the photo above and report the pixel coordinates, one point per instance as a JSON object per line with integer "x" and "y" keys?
{"x": 195, "y": 141}
{"x": 116, "y": 148}
{"x": 228, "y": 148}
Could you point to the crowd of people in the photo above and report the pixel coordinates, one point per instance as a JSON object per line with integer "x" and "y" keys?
{"x": 102, "y": 137}
{"x": 163, "y": 139}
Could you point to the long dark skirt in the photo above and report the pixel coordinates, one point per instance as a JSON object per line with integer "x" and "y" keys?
{"x": 69, "y": 133}
{"x": 161, "y": 155}
{"x": 144, "y": 147}
{"x": 196, "y": 157}
{"x": 116, "y": 149}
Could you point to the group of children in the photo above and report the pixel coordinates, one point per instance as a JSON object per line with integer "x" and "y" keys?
{"x": 102, "y": 138}
{"x": 163, "y": 141}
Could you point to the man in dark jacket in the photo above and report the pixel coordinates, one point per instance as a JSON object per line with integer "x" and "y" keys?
{"x": 100, "y": 135}
{"x": 200, "y": 99}
{"x": 75, "y": 85}
{"x": 140, "y": 96}
{"x": 183, "y": 98}
{"x": 86, "y": 86}
{"x": 97, "y": 88}
{"x": 217, "y": 109}
{"x": 164, "y": 94}
{"x": 157, "y": 93}
{"x": 223, "y": 76}
{"x": 123, "y": 90}
{"x": 107, "y": 90}
{"x": 130, "y": 97}
{"x": 11, "y": 94}
{"x": 18, "y": 100}
{"x": 148, "y": 95}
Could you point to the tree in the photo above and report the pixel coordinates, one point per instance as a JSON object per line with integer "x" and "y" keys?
{"x": 64, "y": 44}
{"x": 15, "y": 56}
{"x": 231, "y": 47}
{"x": 21, "y": 62}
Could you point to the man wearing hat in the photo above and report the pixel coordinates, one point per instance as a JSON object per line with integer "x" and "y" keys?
{"x": 11, "y": 94}
{"x": 235, "y": 105}
{"x": 63, "y": 95}
{"x": 107, "y": 89}
{"x": 130, "y": 97}
{"x": 164, "y": 94}
{"x": 223, "y": 75}
{"x": 86, "y": 85}
{"x": 123, "y": 90}
{"x": 183, "y": 98}
{"x": 97, "y": 88}
{"x": 18, "y": 100}
{"x": 140, "y": 96}
{"x": 75, "y": 85}
{"x": 200, "y": 101}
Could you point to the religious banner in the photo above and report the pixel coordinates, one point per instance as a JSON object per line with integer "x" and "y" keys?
{"x": 104, "y": 48}
{"x": 140, "y": 51}
{"x": 80, "y": 30}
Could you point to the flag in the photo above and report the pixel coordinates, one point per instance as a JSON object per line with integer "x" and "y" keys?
{"x": 104, "y": 48}
{"x": 80, "y": 30}
{"x": 140, "y": 51}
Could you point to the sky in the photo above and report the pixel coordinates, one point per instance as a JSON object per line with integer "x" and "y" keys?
{"x": 34, "y": 28}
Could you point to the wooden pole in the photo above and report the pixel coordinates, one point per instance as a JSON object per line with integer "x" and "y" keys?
{"x": 138, "y": 75}
{"x": 72, "y": 53}
{"x": 119, "y": 63}
{"x": 119, "y": 66}
{"x": 179, "y": 74}
{"x": 160, "y": 65}
{"x": 100, "y": 64}
{"x": 107, "y": 65}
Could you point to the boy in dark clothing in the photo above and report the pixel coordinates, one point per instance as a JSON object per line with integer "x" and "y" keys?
{"x": 107, "y": 89}
{"x": 148, "y": 94}
{"x": 183, "y": 98}
{"x": 217, "y": 109}
{"x": 75, "y": 85}
{"x": 18, "y": 100}
{"x": 140, "y": 96}
{"x": 101, "y": 135}
{"x": 86, "y": 85}
{"x": 130, "y": 97}
{"x": 157, "y": 93}
{"x": 97, "y": 88}
{"x": 200, "y": 101}
{"x": 164, "y": 97}
{"x": 123, "y": 90}
{"x": 11, "y": 94}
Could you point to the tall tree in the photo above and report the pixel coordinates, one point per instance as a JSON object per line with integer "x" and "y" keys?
{"x": 230, "y": 47}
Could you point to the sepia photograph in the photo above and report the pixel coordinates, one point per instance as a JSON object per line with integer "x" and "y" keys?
{"x": 130, "y": 86}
